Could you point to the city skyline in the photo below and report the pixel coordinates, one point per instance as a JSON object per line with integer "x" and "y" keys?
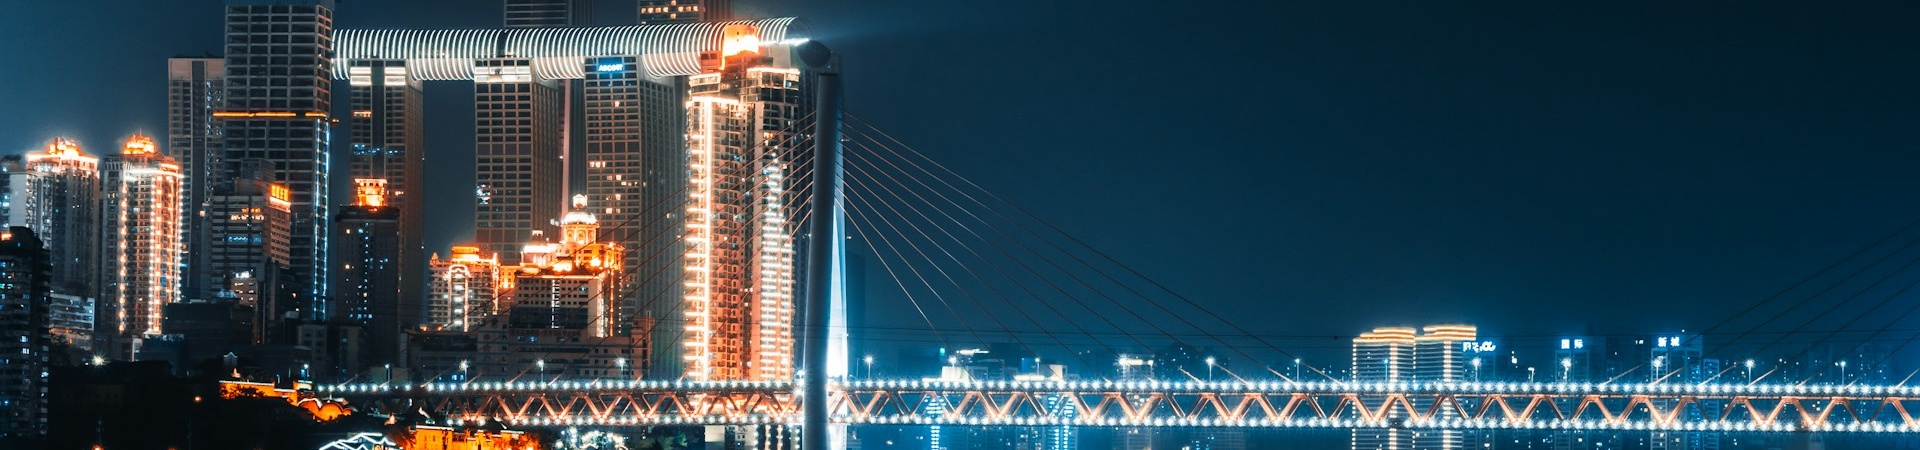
{"x": 1623, "y": 261}
{"x": 1527, "y": 193}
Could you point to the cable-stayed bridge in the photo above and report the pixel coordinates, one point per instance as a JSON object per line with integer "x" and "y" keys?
{"x": 978, "y": 268}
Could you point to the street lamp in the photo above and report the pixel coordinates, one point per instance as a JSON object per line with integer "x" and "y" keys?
{"x": 1566, "y": 369}
{"x": 1843, "y": 372}
{"x": 1296, "y": 369}
{"x": 621, "y": 363}
{"x": 869, "y": 360}
{"x": 1476, "y": 369}
{"x": 542, "y": 364}
{"x": 1210, "y": 363}
{"x": 1749, "y": 370}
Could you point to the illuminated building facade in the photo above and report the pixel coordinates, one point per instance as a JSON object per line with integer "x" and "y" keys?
{"x": 519, "y": 179}
{"x": 570, "y": 284}
{"x": 367, "y": 289}
{"x": 559, "y": 309}
{"x": 279, "y": 90}
{"x": 1384, "y": 355}
{"x": 738, "y": 298}
{"x": 387, "y": 136}
{"x": 249, "y": 225}
{"x": 55, "y": 192}
{"x": 684, "y": 11}
{"x": 196, "y": 87}
{"x": 25, "y": 274}
{"x": 465, "y": 288}
{"x": 147, "y": 249}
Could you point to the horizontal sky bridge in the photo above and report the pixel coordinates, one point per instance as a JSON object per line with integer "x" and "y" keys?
{"x": 556, "y": 53}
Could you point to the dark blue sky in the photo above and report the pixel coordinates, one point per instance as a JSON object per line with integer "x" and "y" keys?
{"x": 1533, "y": 166}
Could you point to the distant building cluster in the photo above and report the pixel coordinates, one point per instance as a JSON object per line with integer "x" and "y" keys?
{"x": 223, "y": 244}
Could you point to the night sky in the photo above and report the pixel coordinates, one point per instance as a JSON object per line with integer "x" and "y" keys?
{"x": 1311, "y": 167}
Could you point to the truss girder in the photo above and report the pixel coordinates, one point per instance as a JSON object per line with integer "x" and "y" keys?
{"x": 1169, "y": 404}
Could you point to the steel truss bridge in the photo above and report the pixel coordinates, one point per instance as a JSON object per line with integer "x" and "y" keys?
{"x": 1255, "y": 404}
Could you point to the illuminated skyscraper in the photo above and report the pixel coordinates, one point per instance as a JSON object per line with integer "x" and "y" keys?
{"x": 24, "y": 276}
{"x": 1434, "y": 354}
{"x": 54, "y": 192}
{"x": 367, "y": 291}
{"x": 739, "y": 250}
{"x": 196, "y": 87}
{"x": 279, "y": 90}
{"x": 147, "y": 247}
{"x": 465, "y": 289}
{"x": 1383, "y": 355}
{"x": 654, "y": 12}
{"x": 519, "y": 180}
{"x": 1438, "y": 357}
{"x": 387, "y": 139}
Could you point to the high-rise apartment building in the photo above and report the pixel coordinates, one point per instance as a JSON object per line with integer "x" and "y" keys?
{"x": 249, "y": 224}
{"x": 279, "y": 90}
{"x": 635, "y": 172}
{"x": 196, "y": 88}
{"x": 24, "y": 287}
{"x": 147, "y": 248}
{"x": 56, "y": 193}
{"x": 388, "y": 144}
{"x": 466, "y": 289}
{"x": 738, "y": 267}
{"x": 655, "y": 12}
{"x": 1440, "y": 356}
{"x": 519, "y": 160}
{"x": 1381, "y": 356}
{"x": 368, "y": 292}
{"x": 1396, "y": 355}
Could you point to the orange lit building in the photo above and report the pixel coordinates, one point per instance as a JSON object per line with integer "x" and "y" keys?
{"x": 444, "y": 438}
{"x": 464, "y": 289}
{"x": 738, "y": 297}
{"x": 551, "y": 317}
{"x": 146, "y": 247}
{"x": 54, "y": 191}
{"x": 571, "y": 284}
{"x": 300, "y": 395}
